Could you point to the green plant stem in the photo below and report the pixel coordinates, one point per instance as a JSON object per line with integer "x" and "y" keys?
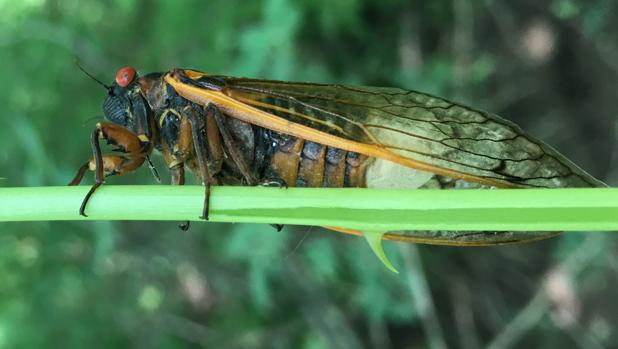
{"x": 363, "y": 209}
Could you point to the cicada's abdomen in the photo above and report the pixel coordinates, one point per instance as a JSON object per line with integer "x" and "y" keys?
{"x": 301, "y": 163}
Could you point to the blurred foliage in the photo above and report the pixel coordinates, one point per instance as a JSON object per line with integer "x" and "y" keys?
{"x": 551, "y": 66}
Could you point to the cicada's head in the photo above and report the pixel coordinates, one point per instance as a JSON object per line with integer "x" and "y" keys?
{"x": 125, "y": 105}
{"x": 117, "y": 106}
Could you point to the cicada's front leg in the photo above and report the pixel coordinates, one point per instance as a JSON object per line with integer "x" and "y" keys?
{"x": 134, "y": 153}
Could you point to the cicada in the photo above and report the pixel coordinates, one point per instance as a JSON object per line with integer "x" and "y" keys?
{"x": 239, "y": 131}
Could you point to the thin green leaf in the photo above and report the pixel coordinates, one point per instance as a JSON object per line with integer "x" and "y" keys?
{"x": 354, "y": 208}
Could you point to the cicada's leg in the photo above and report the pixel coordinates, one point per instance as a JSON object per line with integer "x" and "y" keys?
{"x": 215, "y": 147}
{"x": 192, "y": 137}
{"x": 274, "y": 182}
{"x": 198, "y": 135}
{"x": 133, "y": 149}
{"x": 230, "y": 145}
{"x": 153, "y": 170}
{"x": 178, "y": 178}
{"x": 178, "y": 174}
{"x": 181, "y": 146}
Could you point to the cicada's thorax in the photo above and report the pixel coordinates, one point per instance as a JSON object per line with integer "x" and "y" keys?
{"x": 173, "y": 131}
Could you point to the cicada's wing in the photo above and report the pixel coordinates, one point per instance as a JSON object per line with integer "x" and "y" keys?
{"x": 419, "y": 126}
{"x": 481, "y": 149}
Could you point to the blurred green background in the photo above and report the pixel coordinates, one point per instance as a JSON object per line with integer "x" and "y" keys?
{"x": 551, "y": 66}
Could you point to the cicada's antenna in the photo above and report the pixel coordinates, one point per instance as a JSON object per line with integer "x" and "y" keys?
{"x": 107, "y": 87}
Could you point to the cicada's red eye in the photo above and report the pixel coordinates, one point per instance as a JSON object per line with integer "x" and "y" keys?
{"x": 125, "y": 76}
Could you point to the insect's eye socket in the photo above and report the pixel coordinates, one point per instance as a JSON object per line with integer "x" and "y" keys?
{"x": 125, "y": 76}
